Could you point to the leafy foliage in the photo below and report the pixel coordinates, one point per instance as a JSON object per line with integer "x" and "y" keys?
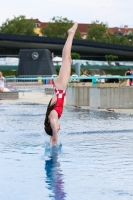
{"x": 72, "y": 70}
{"x": 120, "y": 72}
{"x": 58, "y": 27}
{"x": 114, "y": 39}
{"x": 111, "y": 57}
{"x": 99, "y": 32}
{"x": 130, "y": 38}
{"x": 75, "y": 56}
{"x": 18, "y": 25}
{"x": 9, "y": 72}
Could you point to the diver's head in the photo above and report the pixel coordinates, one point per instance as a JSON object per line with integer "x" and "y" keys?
{"x": 51, "y": 118}
{"x": 49, "y": 130}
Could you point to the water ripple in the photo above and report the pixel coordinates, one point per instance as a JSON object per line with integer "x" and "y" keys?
{"x": 94, "y": 162}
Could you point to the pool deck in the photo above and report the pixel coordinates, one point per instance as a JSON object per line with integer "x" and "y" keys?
{"x": 30, "y": 97}
{"x": 41, "y": 98}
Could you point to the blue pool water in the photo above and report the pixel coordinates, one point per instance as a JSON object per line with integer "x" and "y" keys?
{"x": 94, "y": 159}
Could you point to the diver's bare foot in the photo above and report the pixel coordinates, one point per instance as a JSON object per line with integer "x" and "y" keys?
{"x": 73, "y": 29}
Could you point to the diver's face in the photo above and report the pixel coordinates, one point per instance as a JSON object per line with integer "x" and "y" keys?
{"x": 0, "y": 75}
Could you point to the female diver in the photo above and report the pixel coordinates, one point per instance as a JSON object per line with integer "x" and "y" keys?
{"x": 55, "y": 106}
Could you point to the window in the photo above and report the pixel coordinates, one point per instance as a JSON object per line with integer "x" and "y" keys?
{"x": 37, "y": 25}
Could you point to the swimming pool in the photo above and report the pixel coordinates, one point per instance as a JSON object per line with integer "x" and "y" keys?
{"x": 94, "y": 162}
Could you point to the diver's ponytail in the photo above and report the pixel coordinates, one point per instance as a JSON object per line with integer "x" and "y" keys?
{"x": 47, "y": 126}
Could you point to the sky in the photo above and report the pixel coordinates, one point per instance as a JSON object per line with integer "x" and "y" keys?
{"x": 114, "y": 12}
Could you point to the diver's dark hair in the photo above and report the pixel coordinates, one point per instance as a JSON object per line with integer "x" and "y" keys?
{"x": 47, "y": 126}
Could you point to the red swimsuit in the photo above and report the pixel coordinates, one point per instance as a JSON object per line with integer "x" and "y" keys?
{"x": 60, "y": 94}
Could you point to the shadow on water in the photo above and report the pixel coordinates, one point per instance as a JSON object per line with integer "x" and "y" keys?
{"x": 94, "y": 113}
{"x": 54, "y": 176}
{"x": 102, "y": 132}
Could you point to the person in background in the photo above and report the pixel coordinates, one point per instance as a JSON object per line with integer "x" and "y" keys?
{"x": 1, "y": 82}
{"x": 131, "y": 79}
{"x": 129, "y": 73}
{"x": 2, "y": 87}
{"x": 85, "y": 73}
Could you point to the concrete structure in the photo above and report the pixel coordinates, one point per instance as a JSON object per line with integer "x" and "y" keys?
{"x": 107, "y": 95}
{"x": 35, "y": 62}
{"x": 77, "y": 69}
{"x": 77, "y": 96}
{"x": 9, "y": 95}
{"x": 106, "y": 85}
{"x": 80, "y": 84}
{"x": 121, "y": 97}
{"x": 78, "y": 93}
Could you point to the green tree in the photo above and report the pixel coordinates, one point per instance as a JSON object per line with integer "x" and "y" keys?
{"x": 114, "y": 39}
{"x": 97, "y": 31}
{"x": 130, "y": 38}
{"x": 122, "y": 40}
{"x": 58, "y": 27}
{"x": 75, "y": 55}
{"x": 18, "y": 25}
{"x": 110, "y": 58}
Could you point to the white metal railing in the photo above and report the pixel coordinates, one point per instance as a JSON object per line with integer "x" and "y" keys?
{"x": 31, "y": 78}
{"x": 40, "y": 83}
{"x": 46, "y": 78}
{"x": 29, "y": 83}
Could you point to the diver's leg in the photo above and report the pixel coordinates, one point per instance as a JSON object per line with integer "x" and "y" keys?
{"x": 62, "y": 80}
